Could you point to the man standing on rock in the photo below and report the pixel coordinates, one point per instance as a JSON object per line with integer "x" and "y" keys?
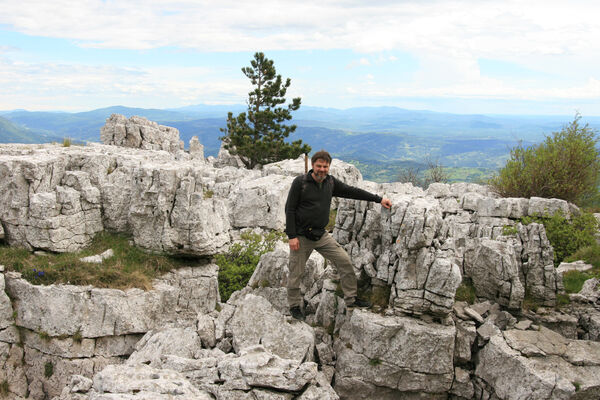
{"x": 307, "y": 214}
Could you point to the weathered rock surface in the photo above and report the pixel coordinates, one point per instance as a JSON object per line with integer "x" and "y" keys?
{"x": 81, "y": 342}
{"x": 539, "y": 365}
{"x": 139, "y": 132}
{"x": 376, "y": 351}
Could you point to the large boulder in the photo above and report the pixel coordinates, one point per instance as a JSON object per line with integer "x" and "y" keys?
{"x": 139, "y": 132}
{"x": 400, "y": 355}
{"x": 255, "y": 321}
{"x": 542, "y": 364}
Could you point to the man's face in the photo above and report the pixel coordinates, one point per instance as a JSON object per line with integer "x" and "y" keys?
{"x": 320, "y": 169}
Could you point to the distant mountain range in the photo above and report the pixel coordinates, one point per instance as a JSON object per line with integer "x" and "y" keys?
{"x": 367, "y": 135}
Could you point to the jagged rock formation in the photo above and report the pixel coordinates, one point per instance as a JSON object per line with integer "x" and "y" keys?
{"x": 140, "y": 133}
{"x": 179, "y": 340}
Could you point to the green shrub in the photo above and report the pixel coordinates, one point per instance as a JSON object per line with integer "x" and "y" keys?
{"x": 48, "y": 369}
{"x": 567, "y": 235}
{"x": 466, "y": 291}
{"x": 565, "y": 166}
{"x": 238, "y": 264}
{"x": 573, "y": 280}
{"x": 374, "y": 361}
{"x": 66, "y": 142}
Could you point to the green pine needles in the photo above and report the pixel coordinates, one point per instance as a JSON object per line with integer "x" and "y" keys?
{"x": 257, "y": 136}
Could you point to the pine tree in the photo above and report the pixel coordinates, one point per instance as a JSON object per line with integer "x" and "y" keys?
{"x": 257, "y": 136}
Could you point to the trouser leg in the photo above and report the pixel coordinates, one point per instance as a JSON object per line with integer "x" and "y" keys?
{"x": 296, "y": 265}
{"x": 333, "y": 251}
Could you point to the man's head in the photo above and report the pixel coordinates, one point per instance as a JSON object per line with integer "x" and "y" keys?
{"x": 321, "y": 161}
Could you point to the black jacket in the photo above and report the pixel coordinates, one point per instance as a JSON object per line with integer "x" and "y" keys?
{"x": 308, "y": 202}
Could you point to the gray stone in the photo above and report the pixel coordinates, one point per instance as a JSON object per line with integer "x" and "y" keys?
{"x": 383, "y": 351}
{"x": 255, "y": 321}
{"x": 539, "y": 365}
{"x": 574, "y": 266}
{"x": 139, "y": 132}
{"x": 145, "y": 382}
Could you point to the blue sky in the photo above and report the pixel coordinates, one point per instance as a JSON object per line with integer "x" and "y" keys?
{"x": 463, "y": 56}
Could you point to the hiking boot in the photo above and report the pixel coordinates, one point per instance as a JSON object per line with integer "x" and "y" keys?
{"x": 297, "y": 313}
{"x": 359, "y": 303}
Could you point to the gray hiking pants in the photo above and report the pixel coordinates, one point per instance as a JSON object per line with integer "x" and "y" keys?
{"x": 331, "y": 250}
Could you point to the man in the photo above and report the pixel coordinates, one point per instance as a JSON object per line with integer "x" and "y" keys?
{"x": 307, "y": 214}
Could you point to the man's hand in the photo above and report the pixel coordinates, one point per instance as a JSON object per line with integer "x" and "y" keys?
{"x": 294, "y": 244}
{"x": 387, "y": 203}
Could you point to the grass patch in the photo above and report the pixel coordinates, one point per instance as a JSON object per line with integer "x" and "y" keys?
{"x": 129, "y": 267}
{"x": 466, "y": 291}
{"x": 48, "y": 369}
{"x": 208, "y": 194}
{"x": 374, "y": 362}
{"x": 44, "y": 335}
{"x": 573, "y": 280}
{"x": 77, "y": 336}
{"x": 509, "y": 230}
{"x": 4, "y": 388}
{"x": 562, "y": 300}
{"x": 66, "y": 142}
{"x": 238, "y": 264}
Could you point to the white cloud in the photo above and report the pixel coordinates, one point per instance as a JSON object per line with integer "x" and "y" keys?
{"x": 473, "y": 26}
{"x": 446, "y": 38}
{"x": 51, "y": 86}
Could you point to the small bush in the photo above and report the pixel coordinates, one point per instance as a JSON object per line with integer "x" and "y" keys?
{"x": 565, "y": 166}
{"x": 562, "y": 300}
{"x": 208, "y": 194}
{"x": 48, "y": 369}
{"x": 77, "y": 336}
{"x": 374, "y": 361}
{"x": 238, "y": 264}
{"x": 509, "y": 230}
{"x": 435, "y": 172}
{"x": 44, "y": 335}
{"x": 573, "y": 280}
{"x": 466, "y": 291}
{"x": 567, "y": 236}
{"x": 66, "y": 142}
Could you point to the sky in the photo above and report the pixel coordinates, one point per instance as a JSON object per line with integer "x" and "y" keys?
{"x": 463, "y": 56}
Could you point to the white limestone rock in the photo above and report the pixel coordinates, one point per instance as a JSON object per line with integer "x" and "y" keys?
{"x": 401, "y": 354}
{"x": 260, "y": 202}
{"x": 494, "y": 269}
{"x": 143, "y": 381}
{"x": 67, "y": 309}
{"x": 539, "y": 365}
{"x": 255, "y": 321}
{"x": 139, "y": 132}
{"x": 574, "y": 266}
{"x": 177, "y": 341}
{"x": 98, "y": 258}
{"x": 13, "y": 370}
{"x": 196, "y": 148}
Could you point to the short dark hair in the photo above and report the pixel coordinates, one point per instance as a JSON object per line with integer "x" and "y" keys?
{"x": 321, "y": 155}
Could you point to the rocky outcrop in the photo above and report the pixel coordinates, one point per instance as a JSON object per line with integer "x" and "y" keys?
{"x": 539, "y": 365}
{"x": 140, "y": 133}
{"x": 179, "y": 340}
{"x": 48, "y": 333}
